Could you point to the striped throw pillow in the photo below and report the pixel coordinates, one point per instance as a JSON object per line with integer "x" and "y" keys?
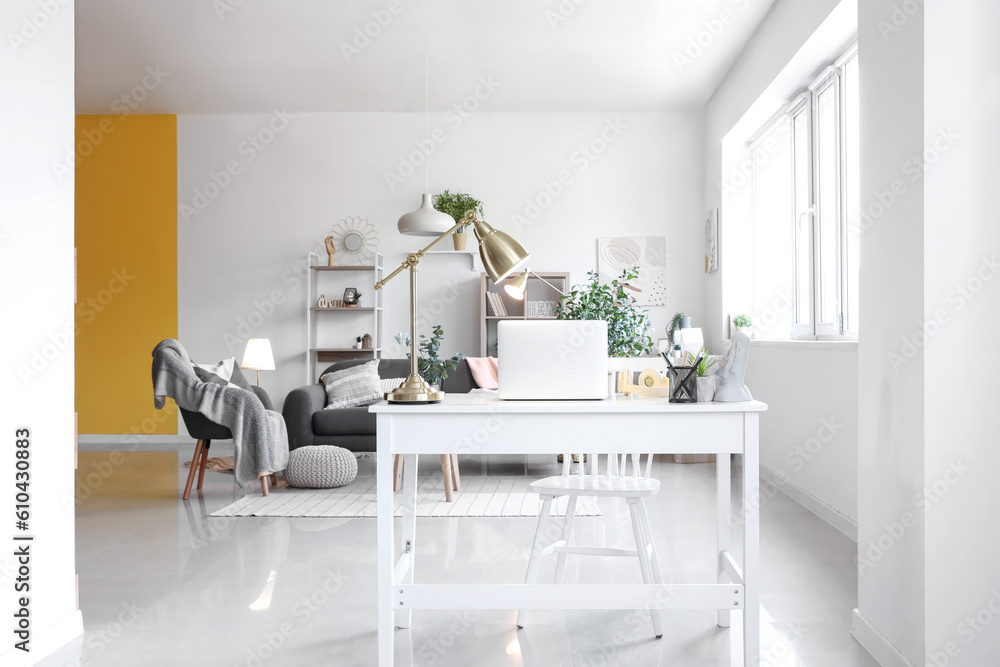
{"x": 353, "y": 387}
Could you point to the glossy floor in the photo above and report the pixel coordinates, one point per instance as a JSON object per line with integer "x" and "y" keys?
{"x": 161, "y": 583}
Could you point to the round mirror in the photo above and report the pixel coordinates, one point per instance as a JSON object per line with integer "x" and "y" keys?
{"x": 353, "y": 241}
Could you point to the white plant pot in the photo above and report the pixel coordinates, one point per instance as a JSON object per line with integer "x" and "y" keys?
{"x": 706, "y": 389}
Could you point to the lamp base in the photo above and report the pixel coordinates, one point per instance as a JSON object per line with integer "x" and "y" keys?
{"x": 414, "y": 390}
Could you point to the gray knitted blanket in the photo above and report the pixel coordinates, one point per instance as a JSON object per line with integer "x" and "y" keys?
{"x": 260, "y": 440}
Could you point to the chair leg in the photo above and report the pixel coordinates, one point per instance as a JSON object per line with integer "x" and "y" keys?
{"x": 274, "y": 479}
{"x": 644, "y": 564}
{"x": 654, "y": 563}
{"x": 446, "y": 474}
{"x": 204, "y": 463}
{"x": 263, "y": 484}
{"x": 455, "y": 478}
{"x": 566, "y": 535}
{"x": 194, "y": 466}
{"x": 536, "y": 553}
{"x": 397, "y": 473}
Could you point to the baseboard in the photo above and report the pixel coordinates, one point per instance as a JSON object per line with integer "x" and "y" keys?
{"x": 840, "y": 521}
{"x": 45, "y": 642}
{"x": 118, "y": 441}
{"x": 875, "y": 643}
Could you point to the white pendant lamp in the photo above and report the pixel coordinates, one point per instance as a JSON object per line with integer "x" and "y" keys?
{"x": 426, "y": 220}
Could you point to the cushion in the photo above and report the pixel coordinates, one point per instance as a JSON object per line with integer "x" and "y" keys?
{"x": 321, "y": 467}
{"x": 388, "y": 384}
{"x": 225, "y": 372}
{"x": 353, "y": 387}
{"x": 344, "y": 421}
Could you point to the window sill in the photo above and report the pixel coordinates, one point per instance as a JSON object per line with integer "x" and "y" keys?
{"x": 806, "y": 344}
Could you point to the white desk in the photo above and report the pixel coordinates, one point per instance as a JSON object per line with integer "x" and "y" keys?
{"x": 482, "y": 424}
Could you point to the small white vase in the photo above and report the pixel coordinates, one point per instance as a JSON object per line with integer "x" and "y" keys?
{"x": 706, "y": 389}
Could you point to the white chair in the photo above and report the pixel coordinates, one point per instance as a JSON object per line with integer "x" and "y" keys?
{"x": 615, "y": 483}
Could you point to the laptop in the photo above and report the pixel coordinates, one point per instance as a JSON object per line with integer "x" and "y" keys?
{"x": 552, "y": 359}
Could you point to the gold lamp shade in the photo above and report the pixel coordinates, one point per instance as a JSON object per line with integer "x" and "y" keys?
{"x": 515, "y": 286}
{"x": 501, "y": 253}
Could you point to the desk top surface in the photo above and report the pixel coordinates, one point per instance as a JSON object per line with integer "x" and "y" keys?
{"x": 488, "y": 402}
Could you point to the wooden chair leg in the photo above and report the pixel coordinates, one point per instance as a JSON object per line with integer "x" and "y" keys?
{"x": 194, "y": 465}
{"x": 274, "y": 479}
{"x": 397, "y": 473}
{"x": 456, "y": 479}
{"x": 204, "y": 462}
{"x": 446, "y": 474}
{"x": 263, "y": 484}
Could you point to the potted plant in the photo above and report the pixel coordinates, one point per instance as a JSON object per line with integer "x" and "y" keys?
{"x": 705, "y": 382}
{"x": 743, "y": 322}
{"x": 628, "y": 326}
{"x": 678, "y": 321}
{"x": 357, "y": 342}
{"x": 432, "y": 369}
{"x": 456, "y": 205}
{"x": 366, "y": 342}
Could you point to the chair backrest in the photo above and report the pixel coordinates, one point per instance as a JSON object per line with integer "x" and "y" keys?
{"x": 616, "y": 465}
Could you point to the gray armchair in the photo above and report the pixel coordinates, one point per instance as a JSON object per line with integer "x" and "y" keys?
{"x": 202, "y": 429}
{"x": 351, "y": 428}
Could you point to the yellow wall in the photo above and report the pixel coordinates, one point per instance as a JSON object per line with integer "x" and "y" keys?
{"x": 126, "y": 238}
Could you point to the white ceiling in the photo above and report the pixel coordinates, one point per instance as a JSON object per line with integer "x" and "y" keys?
{"x": 243, "y": 56}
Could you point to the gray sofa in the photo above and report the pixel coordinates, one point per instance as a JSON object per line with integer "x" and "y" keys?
{"x": 351, "y": 428}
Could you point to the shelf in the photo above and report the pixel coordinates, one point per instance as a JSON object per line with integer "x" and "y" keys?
{"x": 367, "y": 267}
{"x": 356, "y": 309}
{"x": 345, "y": 349}
{"x": 473, "y": 254}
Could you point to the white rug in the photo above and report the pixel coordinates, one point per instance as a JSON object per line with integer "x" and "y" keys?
{"x": 500, "y": 496}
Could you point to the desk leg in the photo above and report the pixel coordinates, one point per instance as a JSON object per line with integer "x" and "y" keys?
{"x": 723, "y": 475}
{"x": 409, "y": 526}
{"x": 751, "y": 539}
{"x": 385, "y": 548}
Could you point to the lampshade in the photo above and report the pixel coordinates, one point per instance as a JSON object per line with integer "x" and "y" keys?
{"x": 501, "y": 253}
{"x": 258, "y": 355}
{"x": 515, "y": 286}
{"x": 425, "y": 221}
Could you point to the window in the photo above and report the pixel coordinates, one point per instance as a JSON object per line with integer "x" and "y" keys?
{"x": 805, "y": 211}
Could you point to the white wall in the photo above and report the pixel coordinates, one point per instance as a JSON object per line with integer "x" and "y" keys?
{"x": 36, "y": 260}
{"x": 643, "y": 179}
{"x": 962, "y": 248}
{"x": 803, "y": 384}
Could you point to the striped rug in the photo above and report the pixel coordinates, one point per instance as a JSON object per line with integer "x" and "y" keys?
{"x": 498, "y": 496}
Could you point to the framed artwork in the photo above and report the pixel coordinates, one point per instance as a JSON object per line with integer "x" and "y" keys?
{"x": 712, "y": 241}
{"x": 648, "y": 253}
{"x": 663, "y": 345}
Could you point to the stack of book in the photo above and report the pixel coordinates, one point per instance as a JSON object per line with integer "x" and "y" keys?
{"x": 496, "y": 304}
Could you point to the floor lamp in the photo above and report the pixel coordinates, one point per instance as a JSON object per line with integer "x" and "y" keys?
{"x": 501, "y": 253}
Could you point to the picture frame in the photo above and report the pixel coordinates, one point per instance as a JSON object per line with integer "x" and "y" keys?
{"x": 663, "y": 345}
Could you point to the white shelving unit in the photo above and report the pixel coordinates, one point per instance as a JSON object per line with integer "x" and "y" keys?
{"x": 330, "y": 332}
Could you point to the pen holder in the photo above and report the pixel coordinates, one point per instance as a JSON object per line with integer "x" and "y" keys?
{"x": 683, "y": 384}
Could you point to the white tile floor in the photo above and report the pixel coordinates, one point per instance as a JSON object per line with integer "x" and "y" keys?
{"x": 162, "y": 584}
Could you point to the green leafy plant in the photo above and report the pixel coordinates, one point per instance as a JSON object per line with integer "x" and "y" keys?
{"x": 742, "y": 321}
{"x": 432, "y": 369}
{"x": 675, "y": 323}
{"x": 627, "y": 324}
{"x": 456, "y": 204}
{"x": 704, "y": 365}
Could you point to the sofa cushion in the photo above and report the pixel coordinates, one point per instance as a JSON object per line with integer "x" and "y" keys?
{"x": 345, "y": 421}
{"x": 388, "y": 384}
{"x": 352, "y": 387}
{"x": 226, "y": 372}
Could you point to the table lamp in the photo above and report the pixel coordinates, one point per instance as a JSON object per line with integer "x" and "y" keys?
{"x": 515, "y": 286}
{"x": 258, "y": 357}
{"x": 501, "y": 253}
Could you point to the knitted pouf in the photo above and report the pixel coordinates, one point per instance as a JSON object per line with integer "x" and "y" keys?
{"x": 321, "y": 467}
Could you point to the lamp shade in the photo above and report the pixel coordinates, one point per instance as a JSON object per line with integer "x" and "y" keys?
{"x": 258, "y": 355}
{"x": 501, "y": 253}
{"x": 425, "y": 221}
{"x": 515, "y": 286}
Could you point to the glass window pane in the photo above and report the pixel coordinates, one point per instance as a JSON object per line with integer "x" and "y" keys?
{"x": 773, "y": 240}
{"x": 827, "y": 204}
{"x": 852, "y": 200}
{"x": 803, "y": 221}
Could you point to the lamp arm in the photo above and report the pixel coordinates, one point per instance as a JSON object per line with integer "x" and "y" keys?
{"x": 547, "y": 282}
{"x": 413, "y": 258}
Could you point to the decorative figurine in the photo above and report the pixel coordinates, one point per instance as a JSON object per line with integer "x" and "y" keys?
{"x": 733, "y": 371}
{"x": 330, "y": 250}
